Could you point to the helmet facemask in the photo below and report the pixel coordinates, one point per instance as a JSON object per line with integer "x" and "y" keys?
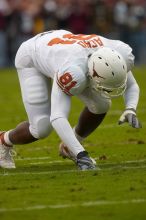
{"x": 106, "y": 91}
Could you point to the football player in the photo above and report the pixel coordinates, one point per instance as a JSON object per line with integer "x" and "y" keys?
{"x": 56, "y": 65}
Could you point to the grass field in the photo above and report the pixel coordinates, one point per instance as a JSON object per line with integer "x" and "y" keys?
{"x": 44, "y": 186}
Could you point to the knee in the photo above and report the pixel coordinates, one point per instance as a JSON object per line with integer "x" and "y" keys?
{"x": 41, "y": 127}
{"x": 100, "y": 108}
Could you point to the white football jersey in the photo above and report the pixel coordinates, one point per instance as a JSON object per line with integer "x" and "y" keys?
{"x": 65, "y": 55}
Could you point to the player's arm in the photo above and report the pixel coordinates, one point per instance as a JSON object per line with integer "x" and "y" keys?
{"x": 63, "y": 87}
{"x": 131, "y": 98}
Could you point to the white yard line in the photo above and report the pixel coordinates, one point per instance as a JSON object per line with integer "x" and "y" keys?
{"x": 50, "y": 162}
{"x": 118, "y": 112}
{"x": 84, "y": 204}
{"x": 68, "y": 161}
{"x": 123, "y": 162}
{"x": 114, "y": 165}
{"x": 33, "y": 158}
{"x": 124, "y": 167}
{"x": 115, "y": 125}
{"x": 46, "y": 158}
{"x": 6, "y": 173}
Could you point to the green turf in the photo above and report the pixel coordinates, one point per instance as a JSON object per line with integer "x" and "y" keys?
{"x": 44, "y": 186}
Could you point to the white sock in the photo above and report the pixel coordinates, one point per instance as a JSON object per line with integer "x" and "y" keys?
{"x": 6, "y": 138}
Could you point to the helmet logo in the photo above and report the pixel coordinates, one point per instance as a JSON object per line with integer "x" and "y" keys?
{"x": 95, "y": 73}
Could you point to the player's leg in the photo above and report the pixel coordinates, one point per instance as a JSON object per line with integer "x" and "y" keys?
{"x": 93, "y": 114}
{"x": 88, "y": 122}
{"x": 21, "y": 134}
{"x": 36, "y": 95}
{"x": 36, "y": 92}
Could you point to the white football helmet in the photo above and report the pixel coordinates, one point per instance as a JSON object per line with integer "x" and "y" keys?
{"x": 107, "y": 72}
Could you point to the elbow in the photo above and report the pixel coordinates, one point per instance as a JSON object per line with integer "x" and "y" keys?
{"x": 134, "y": 87}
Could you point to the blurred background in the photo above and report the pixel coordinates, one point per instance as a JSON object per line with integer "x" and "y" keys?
{"x": 117, "y": 19}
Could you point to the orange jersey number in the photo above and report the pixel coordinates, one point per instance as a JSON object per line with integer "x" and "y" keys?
{"x": 66, "y": 82}
{"x": 86, "y": 41}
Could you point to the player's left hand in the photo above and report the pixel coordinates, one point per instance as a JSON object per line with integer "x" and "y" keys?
{"x": 129, "y": 115}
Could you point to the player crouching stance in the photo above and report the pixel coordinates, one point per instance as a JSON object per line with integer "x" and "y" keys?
{"x": 52, "y": 67}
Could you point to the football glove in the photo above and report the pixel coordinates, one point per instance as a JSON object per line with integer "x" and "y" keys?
{"x": 129, "y": 115}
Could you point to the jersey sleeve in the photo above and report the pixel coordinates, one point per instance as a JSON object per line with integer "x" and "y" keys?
{"x": 60, "y": 107}
{"x": 131, "y": 95}
{"x": 126, "y": 51}
{"x": 72, "y": 80}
